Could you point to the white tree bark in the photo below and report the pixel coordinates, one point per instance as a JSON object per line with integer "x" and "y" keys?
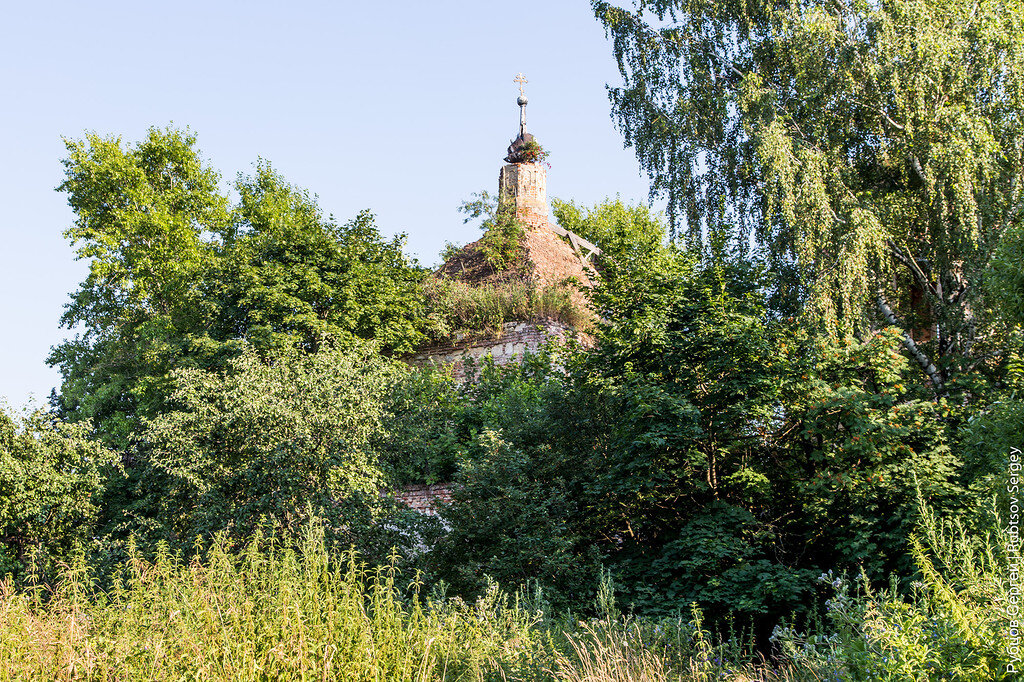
{"x": 926, "y": 364}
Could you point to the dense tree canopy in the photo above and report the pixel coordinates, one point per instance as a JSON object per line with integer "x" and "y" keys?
{"x": 287, "y": 275}
{"x": 142, "y": 218}
{"x": 876, "y": 146}
{"x": 179, "y": 277}
{"x": 706, "y": 449}
{"x": 742, "y": 454}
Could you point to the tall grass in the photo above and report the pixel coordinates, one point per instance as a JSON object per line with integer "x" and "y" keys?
{"x": 460, "y": 310}
{"x": 268, "y": 612}
{"x": 273, "y": 613}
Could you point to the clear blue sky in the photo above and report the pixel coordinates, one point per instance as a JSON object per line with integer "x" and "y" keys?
{"x": 354, "y": 101}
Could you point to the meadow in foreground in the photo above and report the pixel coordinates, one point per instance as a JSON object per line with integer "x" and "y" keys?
{"x": 282, "y": 614}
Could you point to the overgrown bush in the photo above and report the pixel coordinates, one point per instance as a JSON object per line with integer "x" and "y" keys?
{"x": 425, "y": 431}
{"x": 986, "y": 438}
{"x": 509, "y": 441}
{"x": 268, "y": 439}
{"x": 516, "y": 517}
{"x": 51, "y": 475}
{"x": 954, "y": 623}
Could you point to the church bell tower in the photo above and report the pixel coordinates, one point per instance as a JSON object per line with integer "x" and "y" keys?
{"x": 522, "y": 182}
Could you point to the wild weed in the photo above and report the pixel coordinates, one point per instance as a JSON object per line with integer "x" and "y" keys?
{"x": 954, "y": 625}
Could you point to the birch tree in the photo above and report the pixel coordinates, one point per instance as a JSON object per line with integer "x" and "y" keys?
{"x": 875, "y": 147}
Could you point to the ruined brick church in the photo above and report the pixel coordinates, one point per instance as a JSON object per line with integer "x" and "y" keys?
{"x": 550, "y": 254}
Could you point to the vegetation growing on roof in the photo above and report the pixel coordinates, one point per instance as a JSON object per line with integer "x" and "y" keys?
{"x": 526, "y": 149}
{"x": 531, "y": 151}
{"x": 502, "y": 243}
{"x": 482, "y": 286}
{"x": 459, "y": 310}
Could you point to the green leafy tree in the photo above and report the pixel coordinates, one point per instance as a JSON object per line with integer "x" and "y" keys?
{"x": 427, "y": 427}
{"x": 273, "y": 440}
{"x": 286, "y": 274}
{"x": 51, "y": 477}
{"x": 513, "y": 442}
{"x": 857, "y": 443}
{"x": 621, "y": 231}
{"x": 740, "y": 456}
{"x": 986, "y": 440}
{"x": 143, "y": 214}
{"x": 181, "y": 279}
{"x": 519, "y": 514}
{"x": 1006, "y": 281}
{"x": 876, "y": 146}
{"x": 690, "y": 385}
{"x": 706, "y": 450}
{"x": 178, "y": 277}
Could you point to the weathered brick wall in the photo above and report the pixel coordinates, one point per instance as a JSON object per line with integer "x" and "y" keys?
{"x": 424, "y": 498}
{"x": 516, "y": 339}
{"x": 527, "y": 184}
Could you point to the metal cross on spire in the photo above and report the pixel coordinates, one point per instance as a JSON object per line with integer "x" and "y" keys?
{"x": 521, "y": 79}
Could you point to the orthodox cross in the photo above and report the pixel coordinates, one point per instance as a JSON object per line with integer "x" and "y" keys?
{"x": 521, "y": 79}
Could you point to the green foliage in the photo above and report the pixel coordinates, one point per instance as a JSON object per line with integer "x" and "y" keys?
{"x": 508, "y": 439}
{"x": 287, "y": 275}
{"x": 178, "y": 276}
{"x": 688, "y": 372}
{"x": 705, "y": 450}
{"x": 182, "y": 280}
{"x": 1006, "y": 283}
{"x": 954, "y": 624}
{"x": 502, "y": 243}
{"x": 857, "y": 440}
{"x": 266, "y": 611}
{"x": 273, "y": 440}
{"x": 514, "y": 516}
{"x": 51, "y": 475}
{"x": 876, "y": 146}
{"x": 728, "y": 434}
{"x": 986, "y": 438}
{"x": 642, "y": 455}
{"x": 531, "y": 152}
{"x": 459, "y": 310}
{"x": 708, "y": 450}
{"x": 622, "y": 232}
{"x": 142, "y": 214}
{"x": 425, "y": 428}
